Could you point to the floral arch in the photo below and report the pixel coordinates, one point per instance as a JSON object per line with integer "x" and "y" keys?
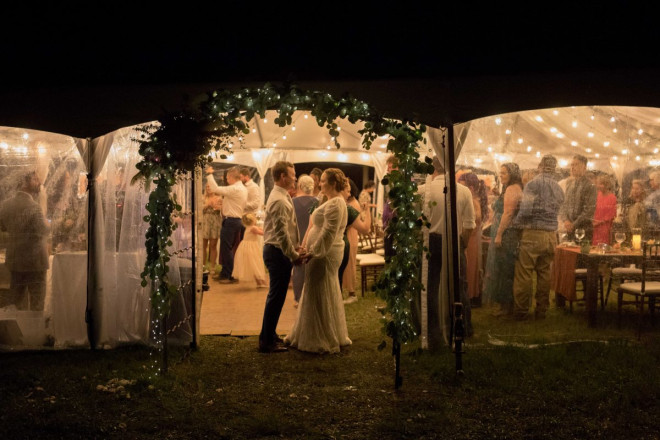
{"x": 182, "y": 141}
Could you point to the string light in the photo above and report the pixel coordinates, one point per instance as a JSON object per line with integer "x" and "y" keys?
{"x": 508, "y": 131}
{"x": 574, "y": 144}
{"x": 25, "y": 136}
{"x": 539, "y": 118}
{"x": 606, "y": 144}
{"x": 529, "y": 148}
{"x": 498, "y": 121}
{"x": 574, "y": 123}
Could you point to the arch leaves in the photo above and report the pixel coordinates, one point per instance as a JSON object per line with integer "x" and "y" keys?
{"x": 183, "y": 140}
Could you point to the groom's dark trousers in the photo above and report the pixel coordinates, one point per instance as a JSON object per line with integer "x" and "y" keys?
{"x": 279, "y": 271}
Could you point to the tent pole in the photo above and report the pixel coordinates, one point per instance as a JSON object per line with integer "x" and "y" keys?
{"x": 90, "y": 309}
{"x": 193, "y": 307}
{"x": 458, "y": 324}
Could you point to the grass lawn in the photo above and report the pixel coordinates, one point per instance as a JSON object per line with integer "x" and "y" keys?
{"x": 606, "y": 385}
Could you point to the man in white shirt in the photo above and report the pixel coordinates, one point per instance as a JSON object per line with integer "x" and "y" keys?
{"x": 233, "y": 204}
{"x": 253, "y": 193}
{"x": 281, "y": 252}
{"x": 437, "y": 301}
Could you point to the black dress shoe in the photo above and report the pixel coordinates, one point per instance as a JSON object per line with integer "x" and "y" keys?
{"x": 278, "y": 340}
{"x": 274, "y": 348}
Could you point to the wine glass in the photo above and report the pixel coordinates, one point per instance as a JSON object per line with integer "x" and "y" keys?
{"x": 619, "y": 237}
{"x": 579, "y": 234}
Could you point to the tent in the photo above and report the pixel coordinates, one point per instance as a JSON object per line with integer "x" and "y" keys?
{"x": 104, "y": 221}
{"x": 484, "y": 143}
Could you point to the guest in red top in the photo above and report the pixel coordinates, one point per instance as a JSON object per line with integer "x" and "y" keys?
{"x": 605, "y": 210}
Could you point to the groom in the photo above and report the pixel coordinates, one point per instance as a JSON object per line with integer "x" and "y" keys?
{"x": 281, "y": 252}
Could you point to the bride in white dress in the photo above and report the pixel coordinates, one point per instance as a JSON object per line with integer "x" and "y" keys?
{"x": 321, "y": 323}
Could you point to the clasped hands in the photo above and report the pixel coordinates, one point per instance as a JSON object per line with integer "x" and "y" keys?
{"x": 303, "y": 256}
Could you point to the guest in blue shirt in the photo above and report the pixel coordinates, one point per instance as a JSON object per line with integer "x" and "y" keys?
{"x": 537, "y": 218}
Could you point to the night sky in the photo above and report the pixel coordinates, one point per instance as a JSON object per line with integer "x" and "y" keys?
{"x": 47, "y": 51}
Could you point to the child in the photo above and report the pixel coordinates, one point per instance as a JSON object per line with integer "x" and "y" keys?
{"x": 249, "y": 261}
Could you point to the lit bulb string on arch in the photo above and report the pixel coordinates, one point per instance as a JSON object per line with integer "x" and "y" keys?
{"x": 182, "y": 141}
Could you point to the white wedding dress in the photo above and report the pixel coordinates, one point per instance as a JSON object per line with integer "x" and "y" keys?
{"x": 321, "y": 323}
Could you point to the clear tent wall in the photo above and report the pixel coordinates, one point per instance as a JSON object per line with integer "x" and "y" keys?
{"x": 48, "y": 230}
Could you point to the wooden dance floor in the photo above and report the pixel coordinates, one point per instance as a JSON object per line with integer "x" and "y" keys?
{"x": 237, "y": 310}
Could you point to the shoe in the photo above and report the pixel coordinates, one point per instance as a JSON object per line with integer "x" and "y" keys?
{"x": 278, "y": 340}
{"x": 351, "y": 299}
{"x": 223, "y": 280}
{"x": 274, "y": 348}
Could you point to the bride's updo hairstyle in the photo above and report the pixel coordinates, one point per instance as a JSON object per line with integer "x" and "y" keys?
{"x": 336, "y": 178}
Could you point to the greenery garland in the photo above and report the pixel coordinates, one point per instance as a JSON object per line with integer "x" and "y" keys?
{"x": 183, "y": 141}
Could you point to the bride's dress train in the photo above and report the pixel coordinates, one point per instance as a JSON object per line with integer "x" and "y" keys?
{"x": 321, "y": 323}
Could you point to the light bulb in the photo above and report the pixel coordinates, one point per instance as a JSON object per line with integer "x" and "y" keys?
{"x": 283, "y": 136}
{"x": 254, "y": 130}
{"x": 490, "y": 149}
{"x": 305, "y": 116}
{"x": 553, "y": 130}
{"x": 636, "y": 141}
{"x": 637, "y": 158}
{"x": 529, "y": 148}
{"x": 574, "y": 144}
{"x": 540, "y": 119}
{"x": 538, "y": 154}
{"x": 25, "y": 136}
{"x": 612, "y": 119}
{"x": 560, "y": 135}
{"x": 265, "y": 121}
{"x": 520, "y": 140}
{"x": 498, "y": 121}
{"x": 614, "y": 130}
{"x": 606, "y": 144}
{"x": 590, "y": 134}
{"x": 597, "y": 155}
{"x": 555, "y": 112}
{"x": 574, "y": 124}
{"x": 508, "y": 131}
{"x": 293, "y": 128}
{"x": 655, "y": 151}
{"x": 481, "y": 141}
{"x": 640, "y": 131}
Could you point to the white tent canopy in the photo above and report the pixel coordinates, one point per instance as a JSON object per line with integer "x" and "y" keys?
{"x": 616, "y": 140}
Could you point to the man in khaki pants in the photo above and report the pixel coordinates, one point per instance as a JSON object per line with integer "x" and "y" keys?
{"x": 537, "y": 218}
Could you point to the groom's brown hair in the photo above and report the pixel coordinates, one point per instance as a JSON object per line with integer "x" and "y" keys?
{"x": 280, "y": 168}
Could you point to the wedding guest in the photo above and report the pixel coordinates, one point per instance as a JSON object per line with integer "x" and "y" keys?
{"x": 365, "y": 198}
{"x": 577, "y": 211}
{"x": 355, "y": 225}
{"x": 474, "y": 249}
{"x": 503, "y": 249}
{"x": 211, "y": 225}
{"x": 253, "y": 203}
{"x": 235, "y": 198}
{"x": 303, "y": 205}
{"x": 652, "y": 201}
{"x": 605, "y": 210}
{"x": 249, "y": 261}
{"x": 27, "y": 249}
{"x": 635, "y": 211}
{"x": 316, "y": 175}
{"x": 537, "y": 217}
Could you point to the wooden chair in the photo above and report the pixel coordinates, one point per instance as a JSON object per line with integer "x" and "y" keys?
{"x": 371, "y": 265}
{"x": 581, "y": 277}
{"x": 621, "y": 275}
{"x": 646, "y": 290}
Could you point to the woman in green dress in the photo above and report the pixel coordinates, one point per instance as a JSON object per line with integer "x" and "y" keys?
{"x": 503, "y": 249}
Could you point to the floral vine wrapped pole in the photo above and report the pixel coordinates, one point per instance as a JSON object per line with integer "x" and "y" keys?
{"x": 183, "y": 141}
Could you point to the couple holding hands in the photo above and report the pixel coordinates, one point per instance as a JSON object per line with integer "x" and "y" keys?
{"x": 320, "y": 326}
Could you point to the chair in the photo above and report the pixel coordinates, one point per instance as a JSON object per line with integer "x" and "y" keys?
{"x": 365, "y": 243}
{"x": 581, "y": 276}
{"x": 371, "y": 265}
{"x": 621, "y": 275}
{"x": 647, "y": 288}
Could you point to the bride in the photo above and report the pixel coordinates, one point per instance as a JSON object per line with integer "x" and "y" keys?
{"x": 321, "y": 323}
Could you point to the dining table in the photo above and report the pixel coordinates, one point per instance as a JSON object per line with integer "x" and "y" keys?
{"x": 568, "y": 257}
